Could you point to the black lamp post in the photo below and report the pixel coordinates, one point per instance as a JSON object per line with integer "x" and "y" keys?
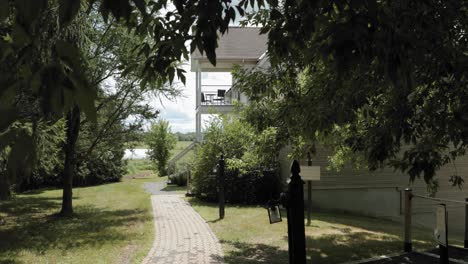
{"x": 295, "y": 207}
{"x": 293, "y": 200}
{"x": 221, "y": 185}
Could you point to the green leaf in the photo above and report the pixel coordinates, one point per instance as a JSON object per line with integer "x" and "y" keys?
{"x": 68, "y": 9}
{"x": 171, "y": 73}
{"x": 181, "y": 75}
{"x": 85, "y": 98}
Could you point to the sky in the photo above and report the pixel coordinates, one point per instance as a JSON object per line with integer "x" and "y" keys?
{"x": 181, "y": 112}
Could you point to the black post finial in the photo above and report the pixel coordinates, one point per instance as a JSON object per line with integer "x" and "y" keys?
{"x": 309, "y": 159}
{"x": 295, "y": 167}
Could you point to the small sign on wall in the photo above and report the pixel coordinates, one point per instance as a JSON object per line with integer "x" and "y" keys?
{"x": 310, "y": 173}
{"x": 440, "y": 231}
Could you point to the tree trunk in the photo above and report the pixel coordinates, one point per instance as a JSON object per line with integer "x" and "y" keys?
{"x": 69, "y": 168}
{"x": 5, "y": 193}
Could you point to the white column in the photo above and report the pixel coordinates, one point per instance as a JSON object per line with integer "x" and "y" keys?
{"x": 199, "y": 127}
{"x": 199, "y": 87}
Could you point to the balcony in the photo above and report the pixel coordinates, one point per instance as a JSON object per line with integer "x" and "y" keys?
{"x": 215, "y": 95}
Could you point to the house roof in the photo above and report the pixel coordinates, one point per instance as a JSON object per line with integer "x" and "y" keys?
{"x": 239, "y": 43}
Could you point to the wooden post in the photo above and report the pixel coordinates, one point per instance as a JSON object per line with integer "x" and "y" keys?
{"x": 295, "y": 206}
{"x": 309, "y": 193}
{"x": 221, "y": 183}
{"x": 443, "y": 249}
{"x": 309, "y": 202}
{"x": 466, "y": 223}
{"x": 408, "y": 246}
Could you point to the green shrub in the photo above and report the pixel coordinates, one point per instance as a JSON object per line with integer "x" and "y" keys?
{"x": 242, "y": 188}
{"x": 179, "y": 178}
{"x": 251, "y": 162}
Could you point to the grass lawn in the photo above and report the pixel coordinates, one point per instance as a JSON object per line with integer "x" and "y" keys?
{"x": 113, "y": 224}
{"x": 248, "y": 237}
{"x": 141, "y": 167}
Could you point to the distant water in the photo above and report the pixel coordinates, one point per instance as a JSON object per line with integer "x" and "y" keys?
{"x": 135, "y": 154}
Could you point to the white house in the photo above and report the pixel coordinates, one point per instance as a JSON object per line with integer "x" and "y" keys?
{"x": 241, "y": 46}
{"x": 378, "y": 193}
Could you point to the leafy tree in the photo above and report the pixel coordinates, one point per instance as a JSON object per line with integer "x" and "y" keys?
{"x": 360, "y": 117}
{"x": 43, "y": 54}
{"x": 160, "y": 141}
{"x": 378, "y": 75}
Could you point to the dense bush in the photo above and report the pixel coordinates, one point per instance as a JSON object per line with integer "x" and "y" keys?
{"x": 241, "y": 187}
{"x": 251, "y": 162}
{"x": 180, "y": 171}
{"x": 179, "y": 178}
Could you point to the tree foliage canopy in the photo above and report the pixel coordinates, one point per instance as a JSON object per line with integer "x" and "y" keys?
{"x": 387, "y": 79}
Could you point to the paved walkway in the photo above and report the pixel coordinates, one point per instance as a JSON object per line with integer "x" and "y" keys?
{"x": 181, "y": 235}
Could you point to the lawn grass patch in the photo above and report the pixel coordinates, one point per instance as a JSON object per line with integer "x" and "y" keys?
{"x": 247, "y": 237}
{"x": 113, "y": 223}
{"x": 141, "y": 167}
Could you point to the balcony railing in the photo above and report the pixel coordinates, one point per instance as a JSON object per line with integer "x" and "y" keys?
{"x": 215, "y": 97}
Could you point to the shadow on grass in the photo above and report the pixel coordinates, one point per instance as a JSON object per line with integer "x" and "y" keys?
{"x": 31, "y": 227}
{"x": 349, "y": 247}
{"x": 247, "y": 253}
{"x": 333, "y": 237}
{"x": 320, "y": 250}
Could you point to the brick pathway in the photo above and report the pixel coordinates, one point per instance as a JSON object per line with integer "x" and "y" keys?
{"x": 181, "y": 235}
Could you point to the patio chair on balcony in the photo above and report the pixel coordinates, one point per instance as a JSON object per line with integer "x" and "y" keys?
{"x": 220, "y": 97}
{"x": 204, "y": 100}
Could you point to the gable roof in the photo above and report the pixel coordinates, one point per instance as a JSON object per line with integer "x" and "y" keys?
{"x": 239, "y": 43}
